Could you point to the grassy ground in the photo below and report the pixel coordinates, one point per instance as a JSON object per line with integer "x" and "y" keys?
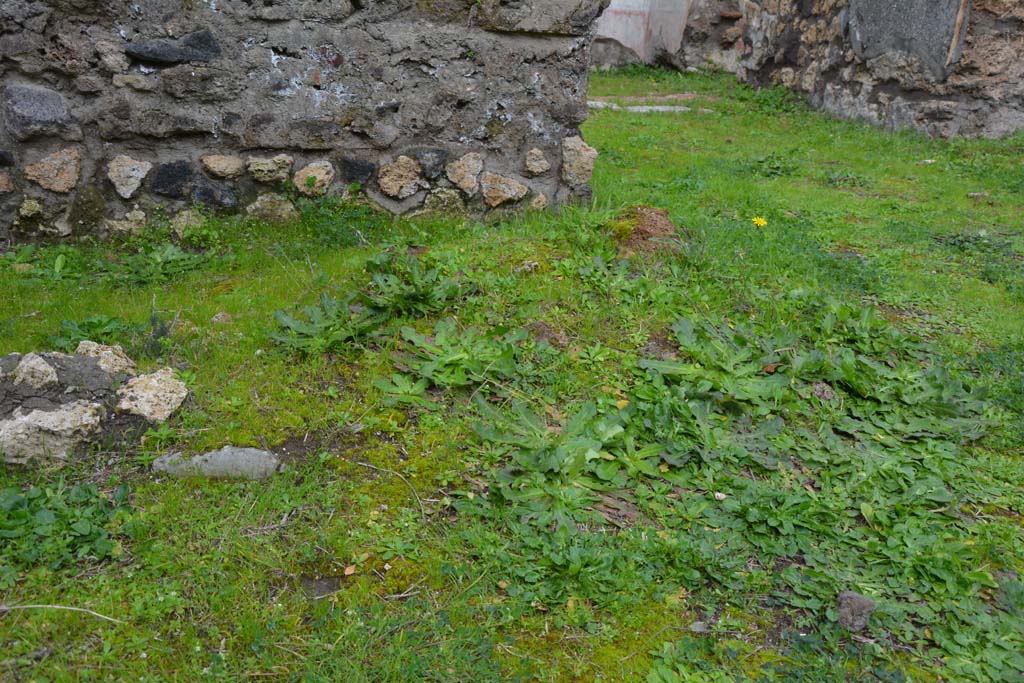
{"x": 617, "y": 461}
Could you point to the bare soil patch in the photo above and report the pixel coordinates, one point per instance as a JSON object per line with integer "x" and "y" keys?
{"x": 644, "y": 228}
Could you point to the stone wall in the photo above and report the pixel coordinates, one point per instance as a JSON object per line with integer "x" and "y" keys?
{"x": 112, "y": 110}
{"x": 639, "y": 31}
{"x": 945, "y": 67}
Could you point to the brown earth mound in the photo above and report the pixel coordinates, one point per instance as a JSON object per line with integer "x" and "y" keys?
{"x": 644, "y": 228}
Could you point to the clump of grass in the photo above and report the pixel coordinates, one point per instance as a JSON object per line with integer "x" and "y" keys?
{"x": 846, "y": 179}
{"x": 102, "y": 329}
{"x": 329, "y": 325}
{"x": 401, "y": 284}
{"x": 771, "y": 166}
{"x": 149, "y": 340}
{"x": 338, "y": 221}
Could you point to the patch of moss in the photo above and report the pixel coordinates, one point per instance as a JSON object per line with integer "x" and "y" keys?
{"x": 494, "y": 127}
{"x": 87, "y": 209}
{"x": 623, "y": 228}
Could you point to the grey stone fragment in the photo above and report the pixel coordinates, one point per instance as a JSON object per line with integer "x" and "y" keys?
{"x": 854, "y": 610}
{"x": 132, "y": 224}
{"x": 43, "y": 435}
{"x": 111, "y": 359}
{"x": 34, "y": 371}
{"x": 383, "y": 135}
{"x": 154, "y": 396}
{"x": 270, "y": 170}
{"x": 465, "y": 172}
{"x": 200, "y": 46}
{"x": 30, "y": 111}
{"x": 578, "y": 159}
{"x": 536, "y": 163}
{"x": 229, "y": 462}
{"x": 127, "y": 174}
{"x": 640, "y": 108}
{"x": 271, "y": 207}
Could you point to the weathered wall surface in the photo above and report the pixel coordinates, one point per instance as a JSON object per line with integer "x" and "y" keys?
{"x": 946, "y": 67}
{"x": 110, "y": 109}
{"x": 639, "y": 31}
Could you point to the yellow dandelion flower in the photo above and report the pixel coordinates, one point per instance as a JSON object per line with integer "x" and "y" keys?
{"x": 759, "y": 221}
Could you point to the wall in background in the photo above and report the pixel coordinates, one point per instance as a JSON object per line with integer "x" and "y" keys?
{"x": 112, "y": 110}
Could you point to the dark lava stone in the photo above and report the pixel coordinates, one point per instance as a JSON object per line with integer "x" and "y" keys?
{"x": 354, "y": 170}
{"x": 432, "y": 161}
{"x": 171, "y": 179}
{"x": 200, "y": 46}
{"x": 213, "y": 194}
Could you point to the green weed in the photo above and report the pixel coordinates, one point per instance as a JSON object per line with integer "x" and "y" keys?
{"x": 154, "y": 264}
{"x": 57, "y": 525}
{"x": 404, "y": 284}
{"x": 329, "y": 325}
{"x": 460, "y": 358}
{"x": 772, "y": 166}
{"x": 102, "y": 329}
{"x": 790, "y": 438}
{"x": 400, "y": 285}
